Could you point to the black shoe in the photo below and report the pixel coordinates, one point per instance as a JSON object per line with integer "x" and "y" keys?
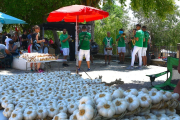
{"x": 67, "y": 65}
{"x": 108, "y": 63}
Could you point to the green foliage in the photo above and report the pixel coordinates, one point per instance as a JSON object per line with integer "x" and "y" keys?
{"x": 32, "y": 11}
{"x": 160, "y": 7}
{"x": 115, "y": 21}
{"x": 163, "y": 32}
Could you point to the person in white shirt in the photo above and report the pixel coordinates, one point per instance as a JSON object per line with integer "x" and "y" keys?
{"x": 7, "y": 40}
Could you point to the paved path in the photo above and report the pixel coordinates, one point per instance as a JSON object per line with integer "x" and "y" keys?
{"x": 132, "y": 78}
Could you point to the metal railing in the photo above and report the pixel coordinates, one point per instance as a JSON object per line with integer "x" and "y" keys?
{"x": 157, "y": 51}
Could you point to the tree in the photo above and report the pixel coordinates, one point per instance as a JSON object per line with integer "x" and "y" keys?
{"x": 32, "y": 11}
{"x": 162, "y": 32}
{"x": 116, "y": 20}
{"x": 36, "y": 11}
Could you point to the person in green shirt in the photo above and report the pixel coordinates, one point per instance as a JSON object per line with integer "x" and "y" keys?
{"x": 84, "y": 39}
{"x": 139, "y": 37}
{"x": 64, "y": 38}
{"x": 108, "y": 44}
{"x": 145, "y": 44}
{"x": 121, "y": 45}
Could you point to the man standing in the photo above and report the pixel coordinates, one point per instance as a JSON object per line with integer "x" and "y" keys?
{"x": 64, "y": 38}
{"x": 3, "y": 38}
{"x": 145, "y": 44}
{"x": 84, "y": 38}
{"x": 139, "y": 37}
{"x": 108, "y": 43}
{"x": 121, "y": 45}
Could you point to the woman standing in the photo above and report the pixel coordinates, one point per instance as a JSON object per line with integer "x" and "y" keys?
{"x": 24, "y": 40}
{"x": 36, "y": 47}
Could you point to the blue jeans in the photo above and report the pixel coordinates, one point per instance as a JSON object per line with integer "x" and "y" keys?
{"x": 9, "y": 58}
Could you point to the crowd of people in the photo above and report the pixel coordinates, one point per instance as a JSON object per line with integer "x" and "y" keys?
{"x": 138, "y": 45}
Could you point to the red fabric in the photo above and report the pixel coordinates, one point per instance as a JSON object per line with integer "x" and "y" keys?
{"x": 69, "y": 14}
{"x": 29, "y": 49}
{"x": 51, "y": 42}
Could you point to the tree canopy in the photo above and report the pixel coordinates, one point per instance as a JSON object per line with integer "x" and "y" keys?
{"x": 117, "y": 19}
{"x": 163, "y": 33}
{"x": 36, "y": 11}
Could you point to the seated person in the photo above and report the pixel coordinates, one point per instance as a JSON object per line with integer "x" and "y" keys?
{"x": 5, "y": 54}
{"x": 13, "y": 48}
{"x": 51, "y": 41}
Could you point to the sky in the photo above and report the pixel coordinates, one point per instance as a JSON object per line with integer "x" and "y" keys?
{"x": 130, "y": 13}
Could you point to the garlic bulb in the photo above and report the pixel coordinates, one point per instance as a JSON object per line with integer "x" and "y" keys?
{"x": 73, "y": 116}
{"x": 60, "y": 116}
{"x": 5, "y": 103}
{"x": 7, "y": 112}
{"x": 42, "y": 113}
{"x": 52, "y": 112}
{"x": 166, "y": 95}
{"x": 175, "y": 96}
{"x": 16, "y": 116}
{"x": 156, "y": 97}
{"x": 86, "y": 100}
{"x": 62, "y": 108}
{"x": 106, "y": 109}
{"x": 120, "y": 105}
{"x": 117, "y": 94}
{"x": 72, "y": 107}
{"x": 131, "y": 91}
{"x": 150, "y": 116}
{"x": 133, "y": 102}
{"x": 103, "y": 96}
{"x": 144, "y": 100}
{"x": 29, "y": 114}
{"x": 85, "y": 112}
{"x": 170, "y": 111}
{"x": 144, "y": 90}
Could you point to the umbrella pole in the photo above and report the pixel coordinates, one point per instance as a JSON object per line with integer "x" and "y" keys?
{"x": 76, "y": 48}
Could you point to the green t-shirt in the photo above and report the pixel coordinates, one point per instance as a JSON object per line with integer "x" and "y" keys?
{"x": 140, "y": 35}
{"x": 105, "y": 41}
{"x": 121, "y": 42}
{"x": 146, "y": 35}
{"x": 86, "y": 43}
{"x": 64, "y": 44}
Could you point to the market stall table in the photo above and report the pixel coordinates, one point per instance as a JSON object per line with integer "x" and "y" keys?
{"x": 23, "y": 62}
{"x": 47, "y": 64}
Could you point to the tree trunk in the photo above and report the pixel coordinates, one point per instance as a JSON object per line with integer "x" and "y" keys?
{"x": 56, "y": 38}
{"x": 92, "y": 29}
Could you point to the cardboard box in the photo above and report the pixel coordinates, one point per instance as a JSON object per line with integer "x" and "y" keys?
{"x": 51, "y": 51}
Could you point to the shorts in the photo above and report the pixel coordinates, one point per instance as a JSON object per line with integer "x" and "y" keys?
{"x": 65, "y": 51}
{"x": 82, "y": 53}
{"x": 121, "y": 49}
{"x": 144, "y": 51}
{"x": 107, "y": 52}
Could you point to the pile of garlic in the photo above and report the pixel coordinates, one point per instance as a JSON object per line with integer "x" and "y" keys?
{"x": 61, "y": 95}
